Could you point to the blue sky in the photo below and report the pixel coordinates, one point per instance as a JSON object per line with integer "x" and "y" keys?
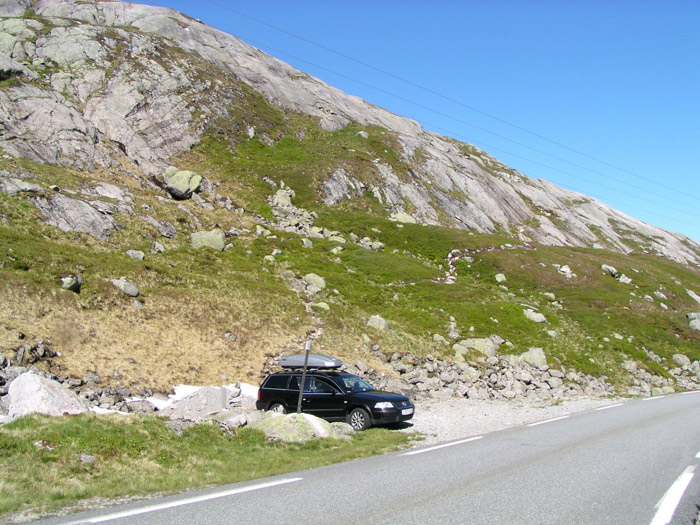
{"x": 600, "y": 97}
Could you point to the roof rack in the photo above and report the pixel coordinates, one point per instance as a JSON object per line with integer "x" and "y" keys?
{"x": 316, "y": 361}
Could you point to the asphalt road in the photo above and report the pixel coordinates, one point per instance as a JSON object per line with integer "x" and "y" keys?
{"x": 632, "y": 463}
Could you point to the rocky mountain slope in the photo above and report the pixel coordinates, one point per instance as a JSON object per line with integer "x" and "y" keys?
{"x": 114, "y": 82}
{"x": 177, "y": 206}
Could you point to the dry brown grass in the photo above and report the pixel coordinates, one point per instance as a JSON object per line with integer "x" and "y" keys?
{"x": 176, "y": 338}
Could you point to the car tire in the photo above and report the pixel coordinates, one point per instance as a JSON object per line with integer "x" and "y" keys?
{"x": 277, "y": 407}
{"x": 358, "y": 418}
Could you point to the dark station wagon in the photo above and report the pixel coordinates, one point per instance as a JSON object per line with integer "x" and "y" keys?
{"x": 332, "y": 395}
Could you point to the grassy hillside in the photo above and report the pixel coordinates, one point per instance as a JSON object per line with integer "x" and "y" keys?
{"x": 191, "y": 298}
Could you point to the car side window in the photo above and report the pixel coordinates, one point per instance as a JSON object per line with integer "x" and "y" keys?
{"x": 323, "y": 388}
{"x": 294, "y": 383}
{"x": 309, "y": 385}
{"x": 278, "y": 382}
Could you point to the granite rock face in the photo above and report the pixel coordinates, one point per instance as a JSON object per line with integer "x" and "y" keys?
{"x": 141, "y": 84}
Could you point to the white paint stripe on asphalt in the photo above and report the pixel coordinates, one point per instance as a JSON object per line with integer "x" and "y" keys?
{"x": 547, "y": 421}
{"x": 652, "y": 398}
{"x": 444, "y": 445}
{"x": 697, "y": 455}
{"x": 667, "y": 505}
{"x": 610, "y": 406}
{"x": 691, "y": 392}
{"x": 188, "y": 501}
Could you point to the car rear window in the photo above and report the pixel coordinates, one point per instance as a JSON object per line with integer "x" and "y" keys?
{"x": 277, "y": 382}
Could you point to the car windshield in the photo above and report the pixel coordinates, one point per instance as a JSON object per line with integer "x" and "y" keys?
{"x": 355, "y": 384}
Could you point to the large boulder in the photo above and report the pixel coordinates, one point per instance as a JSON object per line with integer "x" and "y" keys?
{"x": 283, "y": 198}
{"x": 315, "y": 280}
{"x": 298, "y": 428}
{"x": 31, "y": 393}
{"x": 610, "y": 269}
{"x": 125, "y": 286}
{"x": 214, "y": 239}
{"x": 378, "y": 323}
{"x": 182, "y": 184}
{"x": 200, "y": 404}
{"x": 681, "y": 360}
{"x": 624, "y": 279}
{"x": 485, "y": 345}
{"x": 72, "y": 282}
{"x": 535, "y": 356}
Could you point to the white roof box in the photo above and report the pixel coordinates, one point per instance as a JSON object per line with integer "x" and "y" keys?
{"x": 317, "y": 361}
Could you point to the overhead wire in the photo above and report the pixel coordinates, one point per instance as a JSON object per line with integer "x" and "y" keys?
{"x": 452, "y": 133}
{"x": 458, "y": 102}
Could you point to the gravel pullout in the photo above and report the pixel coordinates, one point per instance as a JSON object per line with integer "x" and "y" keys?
{"x": 450, "y": 419}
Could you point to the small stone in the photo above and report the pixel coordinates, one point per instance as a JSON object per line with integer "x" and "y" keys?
{"x": 72, "y": 283}
{"x": 534, "y": 316}
{"x": 315, "y": 280}
{"x": 136, "y": 254}
{"x": 378, "y": 323}
{"x": 125, "y": 286}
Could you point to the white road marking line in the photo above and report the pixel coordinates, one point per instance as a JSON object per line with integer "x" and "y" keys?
{"x": 188, "y": 501}
{"x": 667, "y": 505}
{"x": 652, "y": 398}
{"x": 420, "y": 451}
{"x": 547, "y": 421}
{"x": 691, "y": 392}
{"x": 697, "y": 455}
{"x": 610, "y": 406}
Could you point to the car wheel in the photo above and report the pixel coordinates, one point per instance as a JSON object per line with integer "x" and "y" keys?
{"x": 359, "y": 419}
{"x": 278, "y": 407}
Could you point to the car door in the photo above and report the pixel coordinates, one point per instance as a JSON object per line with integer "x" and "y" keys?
{"x": 323, "y": 399}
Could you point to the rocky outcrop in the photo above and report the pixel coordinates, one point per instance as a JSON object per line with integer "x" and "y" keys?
{"x": 74, "y": 215}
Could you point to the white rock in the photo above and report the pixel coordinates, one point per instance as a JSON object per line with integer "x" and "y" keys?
{"x": 535, "y": 356}
{"x": 534, "y": 316}
{"x": 624, "y": 279}
{"x": 31, "y": 393}
{"x": 315, "y": 280}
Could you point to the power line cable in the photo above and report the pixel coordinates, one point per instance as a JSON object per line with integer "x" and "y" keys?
{"x": 671, "y": 199}
{"x": 588, "y": 194}
{"x": 453, "y": 100}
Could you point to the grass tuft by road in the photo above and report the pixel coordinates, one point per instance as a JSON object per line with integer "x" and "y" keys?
{"x": 48, "y": 463}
